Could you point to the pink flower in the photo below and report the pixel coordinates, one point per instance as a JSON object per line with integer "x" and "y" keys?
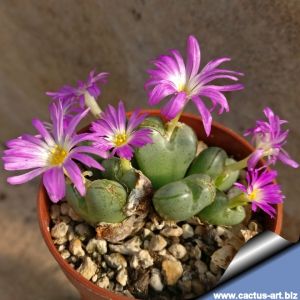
{"x": 269, "y": 139}
{"x": 261, "y": 191}
{"x": 113, "y": 132}
{"x": 182, "y": 82}
{"x": 52, "y": 153}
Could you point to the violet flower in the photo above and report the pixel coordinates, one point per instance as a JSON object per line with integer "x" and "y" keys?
{"x": 269, "y": 139}
{"x": 261, "y": 191}
{"x": 84, "y": 95}
{"x": 114, "y": 133}
{"x": 52, "y": 153}
{"x": 183, "y": 82}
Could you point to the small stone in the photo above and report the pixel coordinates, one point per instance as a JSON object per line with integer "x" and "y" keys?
{"x": 59, "y": 230}
{"x": 65, "y": 254}
{"x": 188, "y": 231}
{"x": 134, "y": 263}
{"x": 172, "y": 271}
{"x": 177, "y": 250}
{"x": 144, "y": 258}
{"x": 130, "y": 247}
{"x": 157, "y": 243}
{"x": 223, "y": 256}
{"x": 88, "y": 268}
{"x": 61, "y": 248}
{"x": 111, "y": 274}
{"x": 146, "y": 244}
{"x": 73, "y": 259}
{"x": 64, "y": 208}
{"x": 198, "y": 287}
{"x": 95, "y": 278}
{"x": 70, "y": 234}
{"x": 65, "y": 219}
{"x": 54, "y": 211}
{"x": 84, "y": 231}
{"x": 76, "y": 248}
{"x": 155, "y": 280}
{"x": 172, "y": 231}
{"x": 185, "y": 286}
{"x": 99, "y": 245}
{"x": 128, "y": 294}
{"x": 103, "y": 282}
{"x": 73, "y": 215}
{"x": 214, "y": 268}
{"x": 165, "y": 254}
{"x": 116, "y": 261}
{"x": 200, "y": 266}
{"x": 200, "y": 230}
{"x": 195, "y": 252}
{"x": 122, "y": 277}
{"x": 146, "y": 232}
{"x": 118, "y": 287}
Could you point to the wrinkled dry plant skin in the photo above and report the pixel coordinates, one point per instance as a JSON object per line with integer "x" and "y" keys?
{"x": 136, "y": 209}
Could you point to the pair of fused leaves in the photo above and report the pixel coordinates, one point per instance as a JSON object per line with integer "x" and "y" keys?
{"x": 169, "y": 159}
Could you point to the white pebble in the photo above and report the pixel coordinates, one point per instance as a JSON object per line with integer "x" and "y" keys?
{"x": 188, "y": 231}
{"x": 76, "y": 248}
{"x": 155, "y": 280}
{"x": 177, "y": 250}
{"x": 88, "y": 268}
{"x": 122, "y": 277}
{"x": 59, "y": 230}
{"x": 157, "y": 243}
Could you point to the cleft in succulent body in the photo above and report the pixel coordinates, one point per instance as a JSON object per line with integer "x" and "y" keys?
{"x": 219, "y": 213}
{"x": 167, "y": 158}
{"x": 103, "y": 202}
{"x": 183, "y": 199}
{"x": 213, "y": 161}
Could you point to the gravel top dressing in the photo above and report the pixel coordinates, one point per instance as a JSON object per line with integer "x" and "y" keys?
{"x": 164, "y": 260}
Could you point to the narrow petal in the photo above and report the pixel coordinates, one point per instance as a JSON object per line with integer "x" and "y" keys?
{"x": 254, "y": 158}
{"x": 75, "y": 175}
{"x": 193, "y": 57}
{"x": 86, "y": 160}
{"x": 285, "y": 158}
{"x": 124, "y": 151}
{"x": 205, "y": 114}
{"x": 54, "y": 182}
{"x": 135, "y": 120}
{"x": 19, "y": 179}
{"x": 174, "y": 106}
{"x": 43, "y": 131}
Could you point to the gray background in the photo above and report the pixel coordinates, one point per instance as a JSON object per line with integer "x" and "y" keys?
{"x": 45, "y": 44}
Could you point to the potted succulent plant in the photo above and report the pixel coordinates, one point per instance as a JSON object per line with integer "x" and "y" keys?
{"x": 150, "y": 204}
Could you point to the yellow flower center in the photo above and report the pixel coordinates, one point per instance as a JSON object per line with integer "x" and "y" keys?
{"x": 120, "y": 139}
{"x": 253, "y": 196}
{"x": 58, "y": 155}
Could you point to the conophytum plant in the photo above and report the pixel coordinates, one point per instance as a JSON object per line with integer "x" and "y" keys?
{"x": 120, "y": 159}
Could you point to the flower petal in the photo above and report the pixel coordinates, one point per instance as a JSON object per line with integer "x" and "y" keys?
{"x": 75, "y": 175}
{"x": 19, "y": 179}
{"x": 87, "y": 160}
{"x": 193, "y": 57}
{"x": 54, "y": 182}
{"x": 205, "y": 114}
{"x": 174, "y": 106}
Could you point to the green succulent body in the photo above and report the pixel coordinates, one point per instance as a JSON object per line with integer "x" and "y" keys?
{"x": 183, "y": 199}
{"x": 210, "y": 161}
{"x": 166, "y": 159}
{"x": 218, "y": 213}
{"x": 227, "y": 178}
{"x": 104, "y": 201}
{"x": 114, "y": 171}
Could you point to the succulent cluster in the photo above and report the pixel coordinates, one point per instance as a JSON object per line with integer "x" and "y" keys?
{"x": 122, "y": 167}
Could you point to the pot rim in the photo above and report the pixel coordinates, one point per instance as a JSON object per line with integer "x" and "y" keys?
{"x": 43, "y": 207}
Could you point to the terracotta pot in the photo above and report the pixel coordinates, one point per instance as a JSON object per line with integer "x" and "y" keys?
{"x": 220, "y": 136}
